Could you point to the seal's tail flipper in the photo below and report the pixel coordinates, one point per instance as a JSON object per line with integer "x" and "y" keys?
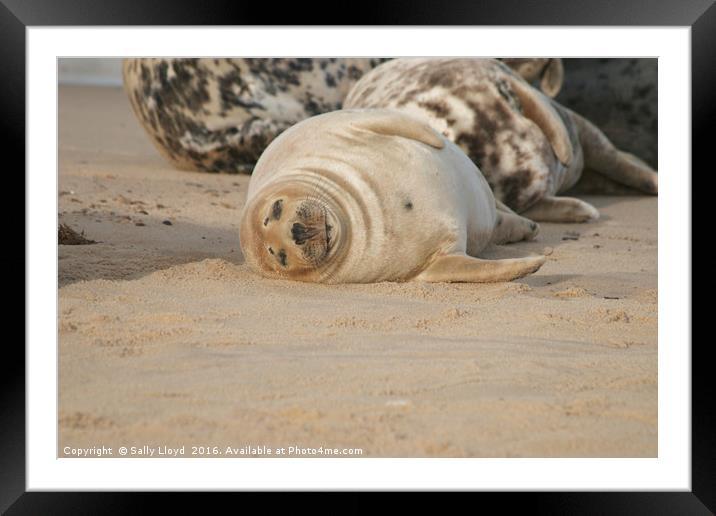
{"x": 466, "y": 269}
{"x": 601, "y": 156}
{"x": 552, "y": 77}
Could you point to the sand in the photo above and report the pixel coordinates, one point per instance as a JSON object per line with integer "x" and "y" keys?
{"x": 166, "y": 338}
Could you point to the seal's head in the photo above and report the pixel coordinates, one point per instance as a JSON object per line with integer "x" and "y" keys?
{"x": 291, "y": 233}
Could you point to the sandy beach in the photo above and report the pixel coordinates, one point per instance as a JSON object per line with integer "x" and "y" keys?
{"x": 167, "y": 339}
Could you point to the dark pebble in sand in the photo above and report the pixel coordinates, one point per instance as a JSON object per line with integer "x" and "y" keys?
{"x": 167, "y": 222}
{"x": 139, "y": 224}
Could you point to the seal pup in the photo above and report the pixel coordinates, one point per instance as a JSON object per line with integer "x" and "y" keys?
{"x": 363, "y": 196}
{"x": 529, "y": 147}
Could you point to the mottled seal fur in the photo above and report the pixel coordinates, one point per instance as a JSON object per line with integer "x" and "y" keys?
{"x": 361, "y": 196}
{"x": 528, "y": 146}
{"x": 218, "y": 115}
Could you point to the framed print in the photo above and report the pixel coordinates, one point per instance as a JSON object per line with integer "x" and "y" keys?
{"x": 427, "y": 257}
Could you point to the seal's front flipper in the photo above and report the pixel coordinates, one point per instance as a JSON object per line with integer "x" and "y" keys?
{"x": 511, "y": 227}
{"x": 466, "y": 269}
{"x": 562, "y": 209}
{"x": 395, "y": 123}
{"x": 538, "y": 108}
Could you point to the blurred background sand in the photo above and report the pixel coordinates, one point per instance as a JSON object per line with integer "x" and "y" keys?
{"x": 166, "y": 338}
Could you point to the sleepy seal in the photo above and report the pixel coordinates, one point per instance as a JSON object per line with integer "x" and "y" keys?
{"x": 362, "y": 196}
{"x": 529, "y": 147}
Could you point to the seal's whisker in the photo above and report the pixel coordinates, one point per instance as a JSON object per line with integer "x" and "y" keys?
{"x": 317, "y": 194}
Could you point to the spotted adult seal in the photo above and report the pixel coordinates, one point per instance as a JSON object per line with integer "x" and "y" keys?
{"x": 218, "y": 115}
{"x": 529, "y": 147}
{"x": 362, "y": 196}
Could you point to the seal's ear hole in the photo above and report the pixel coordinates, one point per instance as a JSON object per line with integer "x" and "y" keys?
{"x": 552, "y": 77}
{"x": 395, "y": 123}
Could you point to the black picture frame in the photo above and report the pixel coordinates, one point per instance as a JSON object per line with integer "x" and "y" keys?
{"x": 17, "y": 15}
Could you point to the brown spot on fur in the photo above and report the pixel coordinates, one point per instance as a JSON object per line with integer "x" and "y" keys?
{"x": 474, "y": 146}
{"x": 500, "y": 110}
{"x": 439, "y": 107}
{"x": 409, "y": 96}
{"x": 505, "y": 91}
{"x": 440, "y": 78}
{"x": 483, "y": 130}
{"x": 513, "y": 186}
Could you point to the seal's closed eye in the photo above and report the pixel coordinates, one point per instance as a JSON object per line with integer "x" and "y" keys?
{"x": 276, "y": 209}
{"x": 282, "y": 257}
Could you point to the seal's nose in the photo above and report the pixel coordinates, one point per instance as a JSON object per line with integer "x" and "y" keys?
{"x": 301, "y": 233}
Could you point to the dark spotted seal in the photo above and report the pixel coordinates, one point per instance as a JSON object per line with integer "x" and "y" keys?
{"x": 529, "y": 147}
{"x": 218, "y": 115}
